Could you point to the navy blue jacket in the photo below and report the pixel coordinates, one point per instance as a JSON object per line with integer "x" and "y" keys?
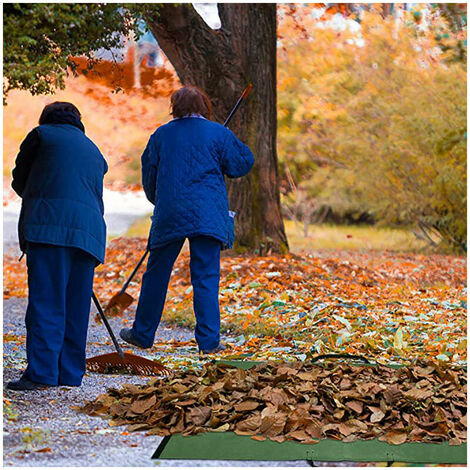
{"x": 59, "y": 175}
{"x": 183, "y": 168}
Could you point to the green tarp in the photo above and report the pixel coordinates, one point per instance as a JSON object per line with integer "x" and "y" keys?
{"x": 230, "y": 446}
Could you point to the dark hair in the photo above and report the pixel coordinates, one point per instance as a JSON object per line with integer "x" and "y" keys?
{"x": 58, "y": 107}
{"x": 188, "y": 100}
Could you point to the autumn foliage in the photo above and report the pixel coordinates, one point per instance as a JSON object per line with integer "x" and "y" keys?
{"x": 389, "y": 307}
{"x": 372, "y": 119}
{"x": 155, "y": 82}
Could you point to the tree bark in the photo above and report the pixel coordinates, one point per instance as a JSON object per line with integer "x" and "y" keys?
{"x": 222, "y": 62}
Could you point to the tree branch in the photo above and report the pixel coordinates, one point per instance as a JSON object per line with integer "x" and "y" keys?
{"x": 178, "y": 30}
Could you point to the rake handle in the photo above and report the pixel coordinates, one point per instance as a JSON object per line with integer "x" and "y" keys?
{"x": 238, "y": 103}
{"x": 106, "y": 324}
{"x": 139, "y": 264}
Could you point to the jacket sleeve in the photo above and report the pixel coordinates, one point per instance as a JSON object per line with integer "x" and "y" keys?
{"x": 150, "y": 170}
{"x": 236, "y": 159}
{"x": 24, "y": 161}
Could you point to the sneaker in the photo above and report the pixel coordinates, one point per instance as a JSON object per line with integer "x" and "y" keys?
{"x": 221, "y": 347}
{"x": 26, "y": 384}
{"x": 128, "y": 337}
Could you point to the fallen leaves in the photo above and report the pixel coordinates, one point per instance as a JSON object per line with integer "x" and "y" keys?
{"x": 392, "y": 307}
{"x": 269, "y": 401}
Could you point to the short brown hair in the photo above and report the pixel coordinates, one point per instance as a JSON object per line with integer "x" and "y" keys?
{"x": 61, "y": 106}
{"x": 188, "y": 100}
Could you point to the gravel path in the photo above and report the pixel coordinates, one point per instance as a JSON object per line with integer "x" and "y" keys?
{"x": 47, "y": 432}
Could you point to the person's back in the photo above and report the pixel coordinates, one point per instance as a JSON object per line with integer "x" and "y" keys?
{"x": 183, "y": 168}
{"x": 62, "y": 198}
{"x": 192, "y": 155}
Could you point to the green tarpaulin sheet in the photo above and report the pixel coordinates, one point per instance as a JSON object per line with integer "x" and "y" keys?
{"x": 230, "y": 446}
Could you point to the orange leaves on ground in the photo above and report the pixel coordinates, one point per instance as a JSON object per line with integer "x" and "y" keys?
{"x": 387, "y": 306}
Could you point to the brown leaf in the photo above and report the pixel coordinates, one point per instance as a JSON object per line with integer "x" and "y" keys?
{"x": 140, "y": 406}
{"x": 350, "y": 438}
{"x": 395, "y": 437}
{"x": 225, "y": 427}
{"x": 418, "y": 394}
{"x": 248, "y": 405}
{"x": 138, "y": 427}
{"x": 377, "y": 416}
{"x": 250, "y": 424}
{"x": 199, "y": 416}
{"x": 299, "y": 435}
{"x": 44, "y": 449}
{"x": 346, "y": 429}
{"x": 314, "y": 431}
{"x": 355, "y": 405}
{"x": 273, "y": 425}
{"x": 455, "y": 441}
{"x": 339, "y": 413}
{"x": 179, "y": 388}
{"x": 392, "y": 394}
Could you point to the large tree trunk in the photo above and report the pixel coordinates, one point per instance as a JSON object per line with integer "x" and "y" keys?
{"x": 222, "y": 62}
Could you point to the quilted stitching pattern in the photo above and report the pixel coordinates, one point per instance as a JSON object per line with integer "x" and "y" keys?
{"x": 183, "y": 168}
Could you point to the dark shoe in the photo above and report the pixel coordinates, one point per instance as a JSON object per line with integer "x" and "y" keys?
{"x": 128, "y": 337}
{"x": 221, "y": 347}
{"x": 26, "y": 384}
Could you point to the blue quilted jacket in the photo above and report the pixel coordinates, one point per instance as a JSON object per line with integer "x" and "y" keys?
{"x": 59, "y": 174}
{"x": 183, "y": 168}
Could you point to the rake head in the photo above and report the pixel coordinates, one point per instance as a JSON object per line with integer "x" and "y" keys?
{"x": 118, "y": 303}
{"x": 112, "y": 363}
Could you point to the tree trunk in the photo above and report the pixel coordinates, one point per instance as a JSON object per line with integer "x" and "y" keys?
{"x": 222, "y": 62}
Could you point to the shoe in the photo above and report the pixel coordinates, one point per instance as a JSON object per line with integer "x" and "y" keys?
{"x": 128, "y": 337}
{"x": 26, "y": 384}
{"x": 221, "y": 347}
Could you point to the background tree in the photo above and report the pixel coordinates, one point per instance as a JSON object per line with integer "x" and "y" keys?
{"x": 375, "y": 127}
{"x": 222, "y": 62}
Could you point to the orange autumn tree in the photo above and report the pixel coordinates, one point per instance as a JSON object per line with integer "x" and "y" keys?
{"x": 372, "y": 118}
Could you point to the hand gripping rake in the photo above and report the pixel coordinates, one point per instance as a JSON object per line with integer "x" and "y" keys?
{"x": 120, "y": 301}
{"x": 121, "y": 362}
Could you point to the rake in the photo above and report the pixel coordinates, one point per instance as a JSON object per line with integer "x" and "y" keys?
{"x": 120, "y": 301}
{"x": 121, "y": 362}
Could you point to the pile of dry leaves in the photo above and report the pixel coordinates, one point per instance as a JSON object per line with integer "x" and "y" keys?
{"x": 298, "y": 401}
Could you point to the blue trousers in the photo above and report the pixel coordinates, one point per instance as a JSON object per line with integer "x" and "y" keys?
{"x": 60, "y": 282}
{"x": 205, "y": 275}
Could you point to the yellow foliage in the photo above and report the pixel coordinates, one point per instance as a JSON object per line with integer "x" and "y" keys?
{"x": 382, "y": 105}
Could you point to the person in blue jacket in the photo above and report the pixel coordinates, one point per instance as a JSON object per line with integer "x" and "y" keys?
{"x": 59, "y": 176}
{"x": 183, "y": 168}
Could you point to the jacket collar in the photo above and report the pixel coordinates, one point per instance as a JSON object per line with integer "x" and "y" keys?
{"x": 64, "y": 117}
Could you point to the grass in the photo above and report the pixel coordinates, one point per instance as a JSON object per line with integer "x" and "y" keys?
{"x": 331, "y": 237}
{"x": 352, "y": 237}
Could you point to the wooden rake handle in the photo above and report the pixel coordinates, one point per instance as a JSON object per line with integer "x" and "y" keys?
{"x": 139, "y": 264}
{"x": 107, "y": 325}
